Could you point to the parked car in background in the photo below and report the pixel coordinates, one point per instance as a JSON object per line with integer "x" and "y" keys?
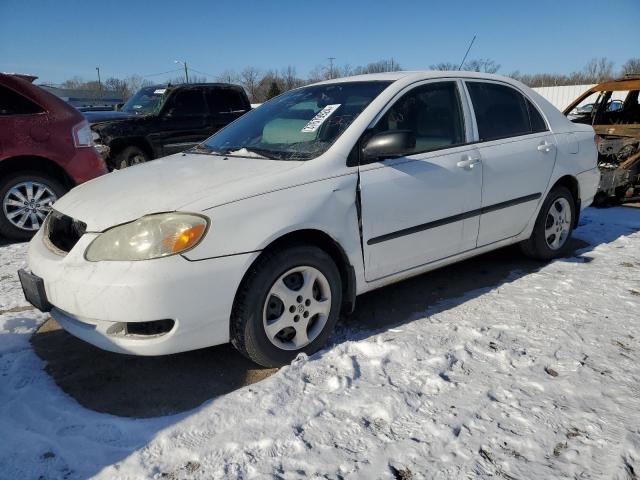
{"x": 265, "y": 232}
{"x": 165, "y": 119}
{"x": 45, "y": 149}
{"x": 613, "y": 109}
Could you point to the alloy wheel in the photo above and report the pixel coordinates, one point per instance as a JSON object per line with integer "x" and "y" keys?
{"x": 297, "y": 308}
{"x": 27, "y": 204}
{"x": 558, "y": 223}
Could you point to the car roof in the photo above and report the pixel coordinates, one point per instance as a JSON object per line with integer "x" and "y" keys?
{"x": 194, "y": 85}
{"x": 631, "y": 82}
{"x": 418, "y": 75}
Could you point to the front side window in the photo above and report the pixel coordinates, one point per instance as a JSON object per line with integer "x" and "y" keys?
{"x": 432, "y": 112}
{"x": 298, "y": 125}
{"x": 12, "y": 103}
{"x": 184, "y": 103}
{"x": 500, "y": 111}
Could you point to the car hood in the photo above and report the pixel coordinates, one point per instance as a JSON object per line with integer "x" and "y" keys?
{"x": 95, "y": 117}
{"x": 189, "y": 182}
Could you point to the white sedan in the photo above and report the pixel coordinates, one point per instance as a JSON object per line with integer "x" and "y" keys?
{"x": 269, "y": 229}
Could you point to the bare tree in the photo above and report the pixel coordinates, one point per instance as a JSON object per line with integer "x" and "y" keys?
{"x": 444, "y": 66}
{"x": 290, "y": 79}
{"x": 599, "y": 70}
{"x": 481, "y": 65}
{"x": 228, "y": 76}
{"x": 631, "y": 66}
{"x": 136, "y": 82}
{"x": 249, "y": 77}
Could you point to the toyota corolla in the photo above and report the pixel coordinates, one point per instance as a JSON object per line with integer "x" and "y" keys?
{"x": 265, "y": 232}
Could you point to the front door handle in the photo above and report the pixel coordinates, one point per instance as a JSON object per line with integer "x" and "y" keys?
{"x": 545, "y": 147}
{"x": 468, "y": 162}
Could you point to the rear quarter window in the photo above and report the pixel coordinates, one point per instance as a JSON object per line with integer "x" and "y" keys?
{"x": 12, "y": 103}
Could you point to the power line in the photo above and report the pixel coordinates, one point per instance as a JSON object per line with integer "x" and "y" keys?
{"x": 202, "y": 73}
{"x": 161, "y": 73}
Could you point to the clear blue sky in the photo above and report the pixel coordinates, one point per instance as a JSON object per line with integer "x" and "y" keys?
{"x": 59, "y": 39}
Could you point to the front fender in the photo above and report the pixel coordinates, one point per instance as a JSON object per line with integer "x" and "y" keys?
{"x": 253, "y": 223}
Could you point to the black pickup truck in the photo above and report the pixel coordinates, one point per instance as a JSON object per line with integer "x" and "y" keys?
{"x": 165, "y": 119}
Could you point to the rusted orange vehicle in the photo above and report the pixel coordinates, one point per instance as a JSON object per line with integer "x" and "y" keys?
{"x": 613, "y": 109}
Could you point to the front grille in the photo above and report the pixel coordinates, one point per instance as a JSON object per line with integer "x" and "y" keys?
{"x": 62, "y": 231}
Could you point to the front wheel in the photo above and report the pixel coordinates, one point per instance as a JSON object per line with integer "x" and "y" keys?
{"x": 26, "y": 200}
{"x": 288, "y": 303}
{"x": 130, "y": 156}
{"x": 553, "y": 227}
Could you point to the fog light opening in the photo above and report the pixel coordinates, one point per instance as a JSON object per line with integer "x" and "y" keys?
{"x": 149, "y": 329}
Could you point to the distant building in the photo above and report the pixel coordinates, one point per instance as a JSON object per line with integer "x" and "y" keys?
{"x": 85, "y": 98}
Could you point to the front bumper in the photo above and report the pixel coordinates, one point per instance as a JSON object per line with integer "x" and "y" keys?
{"x": 86, "y": 165}
{"x": 89, "y": 298}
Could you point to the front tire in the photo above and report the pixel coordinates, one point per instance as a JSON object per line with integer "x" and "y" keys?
{"x": 130, "y": 156}
{"x": 553, "y": 227}
{"x": 288, "y": 303}
{"x": 25, "y": 201}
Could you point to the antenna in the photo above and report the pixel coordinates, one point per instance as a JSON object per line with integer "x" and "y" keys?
{"x": 465, "y": 55}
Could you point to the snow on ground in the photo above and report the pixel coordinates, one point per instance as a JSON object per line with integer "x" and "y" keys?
{"x": 536, "y": 378}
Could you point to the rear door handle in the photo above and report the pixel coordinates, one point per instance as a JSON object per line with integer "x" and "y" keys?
{"x": 468, "y": 162}
{"x": 545, "y": 147}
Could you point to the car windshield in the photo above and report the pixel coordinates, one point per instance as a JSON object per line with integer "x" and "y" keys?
{"x": 298, "y": 125}
{"x": 146, "y": 101}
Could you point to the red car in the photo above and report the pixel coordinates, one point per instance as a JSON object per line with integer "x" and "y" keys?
{"x": 46, "y": 148}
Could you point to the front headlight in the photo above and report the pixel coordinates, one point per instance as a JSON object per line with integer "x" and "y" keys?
{"x": 153, "y": 236}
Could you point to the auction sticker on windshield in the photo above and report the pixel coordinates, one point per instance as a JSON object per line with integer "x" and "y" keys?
{"x": 320, "y": 118}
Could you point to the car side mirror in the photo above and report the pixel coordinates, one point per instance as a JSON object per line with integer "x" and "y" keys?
{"x": 388, "y": 144}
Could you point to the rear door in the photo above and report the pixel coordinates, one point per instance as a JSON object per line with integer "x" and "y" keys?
{"x": 225, "y": 105}
{"x": 422, "y": 207}
{"x": 518, "y": 155}
{"x": 183, "y": 121}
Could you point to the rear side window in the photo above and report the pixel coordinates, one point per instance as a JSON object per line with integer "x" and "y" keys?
{"x": 12, "y": 103}
{"x": 225, "y": 100}
{"x": 500, "y": 111}
{"x": 187, "y": 102}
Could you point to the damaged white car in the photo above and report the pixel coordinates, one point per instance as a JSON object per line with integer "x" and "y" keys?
{"x": 265, "y": 232}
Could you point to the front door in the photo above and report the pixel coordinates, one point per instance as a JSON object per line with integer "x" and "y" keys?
{"x": 416, "y": 209}
{"x": 182, "y": 123}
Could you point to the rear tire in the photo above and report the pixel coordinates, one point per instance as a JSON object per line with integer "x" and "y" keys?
{"x": 26, "y": 197}
{"x": 288, "y": 303}
{"x": 130, "y": 156}
{"x": 553, "y": 227}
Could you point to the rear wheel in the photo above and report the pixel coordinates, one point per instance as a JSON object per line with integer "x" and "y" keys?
{"x": 26, "y": 200}
{"x": 130, "y": 156}
{"x": 553, "y": 227}
{"x": 288, "y": 303}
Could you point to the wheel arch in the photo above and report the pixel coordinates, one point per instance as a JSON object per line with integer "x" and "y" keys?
{"x": 324, "y": 241}
{"x": 571, "y": 183}
{"x": 31, "y": 163}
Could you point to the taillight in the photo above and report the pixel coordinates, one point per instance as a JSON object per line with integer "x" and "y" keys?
{"x": 81, "y": 134}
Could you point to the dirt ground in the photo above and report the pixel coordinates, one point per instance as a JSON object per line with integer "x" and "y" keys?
{"x": 131, "y": 386}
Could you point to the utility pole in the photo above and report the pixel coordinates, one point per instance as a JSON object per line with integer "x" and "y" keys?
{"x": 99, "y": 82}
{"x": 186, "y": 72}
{"x": 331, "y": 59}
